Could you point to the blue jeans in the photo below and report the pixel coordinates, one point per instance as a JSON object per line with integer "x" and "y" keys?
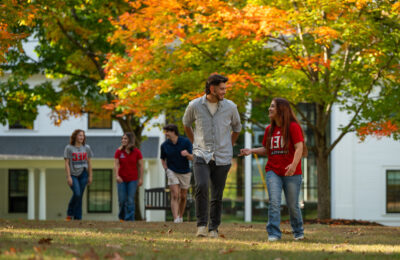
{"x": 78, "y": 187}
{"x": 126, "y": 200}
{"x": 291, "y": 186}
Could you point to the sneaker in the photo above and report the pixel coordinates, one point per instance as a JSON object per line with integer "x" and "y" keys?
{"x": 177, "y": 220}
{"x": 68, "y": 218}
{"x": 213, "y": 234}
{"x": 301, "y": 237}
{"x": 273, "y": 239}
{"x": 201, "y": 231}
{"x": 181, "y": 219}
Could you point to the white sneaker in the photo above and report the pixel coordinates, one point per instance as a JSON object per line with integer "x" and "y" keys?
{"x": 213, "y": 234}
{"x": 301, "y": 237}
{"x": 201, "y": 231}
{"x": 177, "y": 220}
{"x": 181, "y": 220}
{"x": 273, "y": 239}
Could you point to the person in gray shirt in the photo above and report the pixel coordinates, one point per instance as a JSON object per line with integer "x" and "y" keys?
{"x": 78, "y": 167}
{"x": 217, "y": 127}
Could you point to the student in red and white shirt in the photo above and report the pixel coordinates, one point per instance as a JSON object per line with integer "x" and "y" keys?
{"x": 78, "y": 167}
{"x": 284, "y": 145}
{"x": 128, "y": 168}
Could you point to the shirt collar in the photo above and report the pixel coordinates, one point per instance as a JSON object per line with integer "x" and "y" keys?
{"x": 204, "y": 101}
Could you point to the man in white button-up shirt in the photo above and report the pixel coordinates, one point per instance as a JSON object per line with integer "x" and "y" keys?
{"x": 217, "y": 127}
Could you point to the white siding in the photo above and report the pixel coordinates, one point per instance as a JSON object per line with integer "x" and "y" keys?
{"x": 359, "y": 175}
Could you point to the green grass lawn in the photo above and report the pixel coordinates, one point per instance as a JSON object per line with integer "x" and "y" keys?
{"x": 22, "y": 239}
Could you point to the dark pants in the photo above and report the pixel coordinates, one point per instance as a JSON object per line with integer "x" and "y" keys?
{"x": 78, "y": 187}
{"x": 203, "y": 174}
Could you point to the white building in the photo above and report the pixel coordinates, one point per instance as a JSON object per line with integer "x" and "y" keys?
{"x": 365, "y": 177}
{"x": 32, "y": 176}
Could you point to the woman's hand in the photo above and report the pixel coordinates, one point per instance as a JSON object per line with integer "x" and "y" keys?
{"x": 245, "y": 152}
{"x": 90, "y": 179}
{"x": 69, "y": 181}
{"x": 290, "y": 169}
{"x": 119, "y": 179}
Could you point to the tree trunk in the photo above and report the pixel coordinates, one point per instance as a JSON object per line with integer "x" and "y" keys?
{"x": 323, "y": 177}
{"x": 324, "y": 187}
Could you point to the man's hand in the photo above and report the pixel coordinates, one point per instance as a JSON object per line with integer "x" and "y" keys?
{"x": 140, "y": 182}
{"x": 185, "y": 153}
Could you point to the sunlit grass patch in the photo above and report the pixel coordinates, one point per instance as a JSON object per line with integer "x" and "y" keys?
{"x": 141, "y": 240}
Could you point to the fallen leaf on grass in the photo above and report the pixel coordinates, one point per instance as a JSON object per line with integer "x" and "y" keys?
{"x": 226, "y": 251}
{"x": 222, "y": 235}
{"x": 113, "y": 246}
{"x": 113, "y": 256}
{"x": 155, "y": 250}
{"x": 39, "y": 249}
{"x": 11, "y": 251}
{"x": 46, "y": 241}
{"x": 129, "y": 253}
{"x": 187, "y": 241}
{"x": 170, "y": 231}
{"x": 254, "y": 244}
{"x": 91, "y": 254}
{"x": 71, "y": 251}
{"x": 286, "y": 232}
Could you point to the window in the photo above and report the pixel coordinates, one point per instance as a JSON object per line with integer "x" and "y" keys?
{"x": 18, "y": 191}
{"x": 18, "y": 125}
{"x": 100, "y": 192}
{"x": 393, "y": 191}
{"x": 97, "y": 122}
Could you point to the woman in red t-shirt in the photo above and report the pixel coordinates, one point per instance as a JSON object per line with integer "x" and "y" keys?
{"x": 128, "y": 168}
{"x": 283, "y": 143}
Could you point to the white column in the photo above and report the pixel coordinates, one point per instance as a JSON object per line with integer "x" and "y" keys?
{"x": 42, "y": 194}
{"x": 31, "y": 193}
{"x": 247, "y": 168}
{"x": 156, "y": 179}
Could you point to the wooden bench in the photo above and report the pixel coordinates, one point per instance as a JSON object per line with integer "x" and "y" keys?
{"x": 160, "y": 199}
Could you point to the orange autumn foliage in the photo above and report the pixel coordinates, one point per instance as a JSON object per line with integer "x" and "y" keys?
{"x": 377, "y": 129}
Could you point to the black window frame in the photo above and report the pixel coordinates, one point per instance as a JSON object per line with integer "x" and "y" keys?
{"x": 110, "y": 190}
{"x": 18, "y": 126}
{"x": 387, "y": 191}
{"x": 10, "y": 198}
{"x": 89, "y": 115}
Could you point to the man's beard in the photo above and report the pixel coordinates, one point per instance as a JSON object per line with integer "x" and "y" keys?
{"x": 217, "y": 97}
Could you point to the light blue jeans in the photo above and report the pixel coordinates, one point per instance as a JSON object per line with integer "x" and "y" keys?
{"x": 291, "y": 187}
{"x": 126, "y": 200}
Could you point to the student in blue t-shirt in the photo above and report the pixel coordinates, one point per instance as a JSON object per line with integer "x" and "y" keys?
{"x": 176, "y": 152}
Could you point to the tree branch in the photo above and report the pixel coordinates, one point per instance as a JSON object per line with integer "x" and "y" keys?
{"x": 88, "y": 52}
{"x": 346, "y": 129}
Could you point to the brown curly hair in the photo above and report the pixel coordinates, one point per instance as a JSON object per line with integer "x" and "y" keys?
{"x": 72, "y": 139}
